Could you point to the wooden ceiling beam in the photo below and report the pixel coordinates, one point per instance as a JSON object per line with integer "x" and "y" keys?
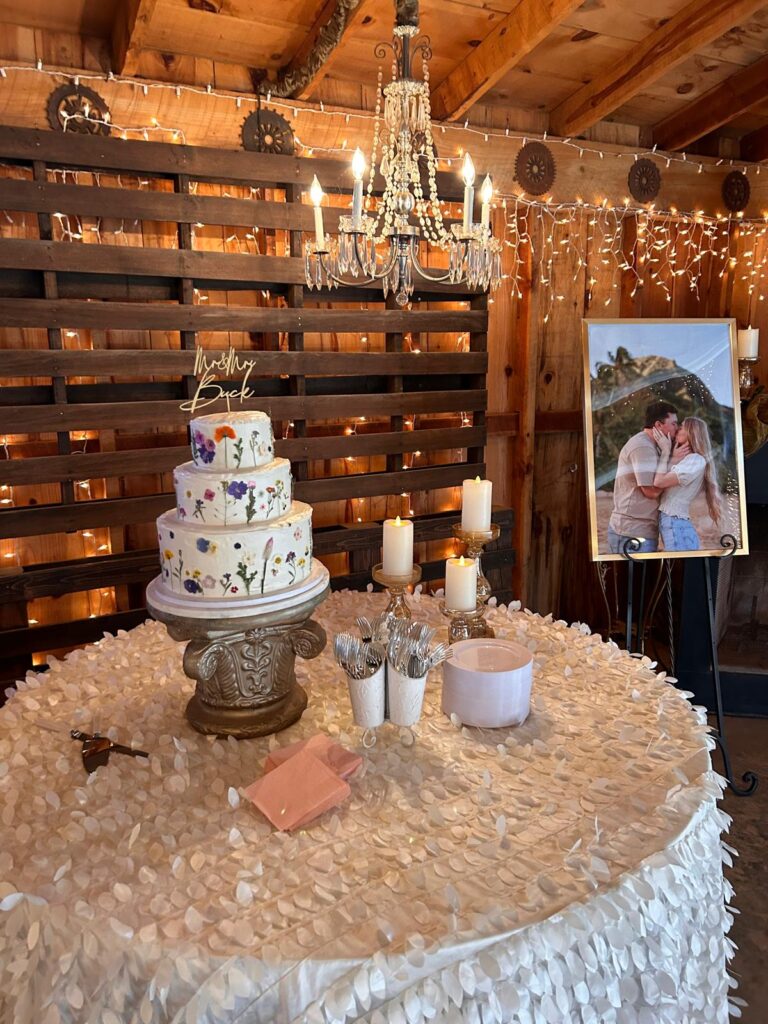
{"x": 129, "y": 33}
{"x": 754, "y": 146}
{"x": 728, "y": 100}
{"x": 696, "y": 25}
{"x": 314, "y": 40}
{"x": 505, "y": 46}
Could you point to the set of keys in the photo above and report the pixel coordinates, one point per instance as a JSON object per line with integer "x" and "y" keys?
{"x": 96, "y": 749}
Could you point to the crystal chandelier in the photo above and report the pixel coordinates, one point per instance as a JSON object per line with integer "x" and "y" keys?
{"x": 385, "y": 244}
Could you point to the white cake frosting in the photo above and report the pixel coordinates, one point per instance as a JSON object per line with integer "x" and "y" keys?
{"x": 232, "y": 440}
{"x": 235, "y": 561}
{"x": 235, "y": 531}
{"x": 228, "y": 498}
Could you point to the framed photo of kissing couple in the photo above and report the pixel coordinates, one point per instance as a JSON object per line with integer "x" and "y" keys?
{"x": 662, "y": 427}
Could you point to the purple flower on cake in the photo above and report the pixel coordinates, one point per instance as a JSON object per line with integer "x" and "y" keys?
{"x": 209, "y": 582}
{"x": 291, "y": 556}
{"x": 192, "y": 587}
{"x": 203, "y": 446}
{"x": 203, "y": 544}
{"x": 237, "y": 489}
{"x": 297, "y": 533}
{"x": 181, "y": 512}
{"x": 209, "y": 494}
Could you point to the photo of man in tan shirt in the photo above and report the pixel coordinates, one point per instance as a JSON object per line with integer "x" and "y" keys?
{"x": 635, "y": 499}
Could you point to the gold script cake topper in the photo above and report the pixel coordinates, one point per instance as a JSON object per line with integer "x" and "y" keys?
{"x": 208, "y": 370}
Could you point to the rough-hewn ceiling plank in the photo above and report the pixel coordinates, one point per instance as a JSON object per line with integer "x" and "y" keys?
{"x": 696, "y": 25}
{"x": 315, "y": 39}
{"x": 514, "y": 37}
{"x": 129, "y": 31}
{"x": 717, "y": 107}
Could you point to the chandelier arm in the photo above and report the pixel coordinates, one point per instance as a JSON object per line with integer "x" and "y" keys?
{"x": 422, "y": 271}
{"x": 369, "y": 278}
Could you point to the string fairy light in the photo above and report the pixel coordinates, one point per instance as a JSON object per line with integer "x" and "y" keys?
{"x": 487, "y": 135}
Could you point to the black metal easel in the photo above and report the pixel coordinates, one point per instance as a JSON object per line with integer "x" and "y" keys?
{"x": 729, "y": 544}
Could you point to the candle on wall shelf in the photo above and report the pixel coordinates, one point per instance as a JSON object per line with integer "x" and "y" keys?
{"x": 486, "y": 195}
{"x": 461, "y": 584}
{"x": 358, "y": 169}
{"x": 476, "y": 500}
{"x": 316, "y": 195}
{"x": 468, "y": 173}
{"x": 397, "y": 555}
{"x": 748, "y": 340}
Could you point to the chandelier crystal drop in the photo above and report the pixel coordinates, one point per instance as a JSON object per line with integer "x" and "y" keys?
{"x": 389, "y": 243}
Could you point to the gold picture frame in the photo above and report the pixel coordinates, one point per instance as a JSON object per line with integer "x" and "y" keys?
{"x": 595, "y": 334}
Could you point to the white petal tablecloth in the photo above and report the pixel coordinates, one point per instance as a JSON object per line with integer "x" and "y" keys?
{"x": 567, "y": 870}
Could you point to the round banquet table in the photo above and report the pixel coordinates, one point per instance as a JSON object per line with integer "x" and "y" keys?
{"x": 569, "y": 869}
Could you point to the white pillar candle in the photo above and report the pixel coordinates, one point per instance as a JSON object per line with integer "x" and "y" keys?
{"x": 468, "y": 173}
{"x": 397, "y": 558}
{"x": 476, "y": 498}
{"x": 486, "y": 194}
{"x": 316, "y": 195}
{"x": 461, "y": 584}
{"x": 748, "y": 342}
{"x": 358, "y": 168}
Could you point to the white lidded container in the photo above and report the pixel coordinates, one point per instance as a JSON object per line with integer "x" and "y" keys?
{"x": 487, "y": 682}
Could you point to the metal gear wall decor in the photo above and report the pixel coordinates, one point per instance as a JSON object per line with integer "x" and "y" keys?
{"x": 266, "y": 131}
{"x": 735, "y": 191}
{"x": 76, "y": 108}
{"x": 535, "y": 168}
{"x": 644, "y": 180}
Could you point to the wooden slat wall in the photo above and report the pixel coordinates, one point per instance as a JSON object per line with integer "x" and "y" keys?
{"x": 117, "y": 259}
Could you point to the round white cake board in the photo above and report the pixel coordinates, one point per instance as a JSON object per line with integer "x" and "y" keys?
{"x": 239, "y": 607}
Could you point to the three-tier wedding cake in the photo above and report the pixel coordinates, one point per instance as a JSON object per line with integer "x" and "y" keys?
{"x": 236, "y": 531}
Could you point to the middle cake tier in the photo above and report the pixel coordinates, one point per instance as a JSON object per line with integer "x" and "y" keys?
{"x": 235, "y": 561}
{"x": 229, "y": 497}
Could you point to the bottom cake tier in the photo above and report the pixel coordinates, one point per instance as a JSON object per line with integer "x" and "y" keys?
{"x": 235, "y": 561}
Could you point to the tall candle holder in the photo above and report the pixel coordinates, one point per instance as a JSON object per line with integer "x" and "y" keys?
{"x": 397, "y": 586}
{"x": 475, "y": 541}
{"x": 466, "y": 625}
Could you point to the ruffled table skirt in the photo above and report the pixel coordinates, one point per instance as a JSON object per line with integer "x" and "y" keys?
{"x": 567, "y": 870}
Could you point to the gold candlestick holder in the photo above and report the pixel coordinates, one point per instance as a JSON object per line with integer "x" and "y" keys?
{"x": 475, "y": 541}
{"x": 396, "y": 587}
{"x": 466, "y": 625}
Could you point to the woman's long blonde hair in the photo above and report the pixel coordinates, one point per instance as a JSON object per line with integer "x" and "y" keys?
{"x": 699, "y": 440}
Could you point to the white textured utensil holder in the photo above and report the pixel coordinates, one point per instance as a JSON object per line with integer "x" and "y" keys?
{"x": 487, "y": 683}
{"x": 367, "y": 696}
{"x": 406, "y": 697}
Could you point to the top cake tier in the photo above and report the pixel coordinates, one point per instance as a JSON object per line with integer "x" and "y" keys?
{"x": 232, "y": 440}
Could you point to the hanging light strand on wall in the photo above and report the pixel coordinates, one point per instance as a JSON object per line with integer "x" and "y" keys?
{"x": 692, "y": 162}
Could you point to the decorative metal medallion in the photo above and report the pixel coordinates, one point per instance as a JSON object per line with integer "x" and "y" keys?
{"x": 266, "y": 131}
{"x": 735, "y": 191}
{"x": 644, "y": 180}
{"x": 76, "y": 108}
{"x": 535, "y": 168}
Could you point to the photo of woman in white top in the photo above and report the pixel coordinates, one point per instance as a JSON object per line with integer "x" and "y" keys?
{"x": 681, "y": 475}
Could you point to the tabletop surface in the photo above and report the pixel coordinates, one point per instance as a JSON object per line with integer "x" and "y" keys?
{"x": 452, "y": 839}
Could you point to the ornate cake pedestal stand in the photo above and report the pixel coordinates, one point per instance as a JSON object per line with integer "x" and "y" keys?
{"x": 242, "y": 653}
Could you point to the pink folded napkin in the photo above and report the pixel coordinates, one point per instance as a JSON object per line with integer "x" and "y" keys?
{"x": 343, "y": 762}
{"x": 297, "y": 791}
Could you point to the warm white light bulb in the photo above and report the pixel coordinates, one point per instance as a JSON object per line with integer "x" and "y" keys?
{"x": 486, "y": 191}
{"x": 358, "y": 164}
{"x": 468, "y": 171}
{"x": 316, "y": 191}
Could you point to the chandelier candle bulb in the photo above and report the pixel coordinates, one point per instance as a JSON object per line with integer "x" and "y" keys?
{"x": 476, "y": 499}
{"x": 748, "y": 343}
{"x": 358, "y": 169}
{"x": 461, "y": 584}
{"x": 397, "y": 555}
{"x": 468, "y": 173}
{"x": 486, "y": 195}
{"x": 316, "y": 195}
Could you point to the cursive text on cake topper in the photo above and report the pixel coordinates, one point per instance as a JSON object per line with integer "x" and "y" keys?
{"x": 225, "y": 364}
